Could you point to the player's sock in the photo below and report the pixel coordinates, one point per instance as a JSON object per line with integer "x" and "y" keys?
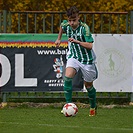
{"x": 68, "y": 89}
{"x": 92, "y": 96}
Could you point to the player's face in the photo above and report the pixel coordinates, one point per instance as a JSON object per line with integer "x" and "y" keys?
{"x": 73, "y": 21}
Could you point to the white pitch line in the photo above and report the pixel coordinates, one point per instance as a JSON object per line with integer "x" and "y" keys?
{"x": 51, "y": 125}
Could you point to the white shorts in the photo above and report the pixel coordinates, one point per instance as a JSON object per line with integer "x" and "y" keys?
{"x": 89, "y": 72}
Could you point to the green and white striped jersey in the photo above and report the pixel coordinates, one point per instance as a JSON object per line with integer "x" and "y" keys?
{"x": 82, "y": 33}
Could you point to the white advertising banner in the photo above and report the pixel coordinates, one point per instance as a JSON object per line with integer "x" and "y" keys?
{"x": 114, "y": 62}
{"x": 33, "y": 63}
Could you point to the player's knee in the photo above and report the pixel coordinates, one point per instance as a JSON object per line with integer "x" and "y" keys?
{"x": 89, "y": 88}
{"x": 88, "y": 85}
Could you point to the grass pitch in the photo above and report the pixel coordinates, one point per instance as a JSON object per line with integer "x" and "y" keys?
{"x": 50, "y": 120}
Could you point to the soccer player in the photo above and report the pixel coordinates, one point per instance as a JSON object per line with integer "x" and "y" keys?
{"x": 80, "y": 56}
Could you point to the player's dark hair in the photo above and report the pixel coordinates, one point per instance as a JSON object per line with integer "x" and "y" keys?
{"x": 72, "y": 11}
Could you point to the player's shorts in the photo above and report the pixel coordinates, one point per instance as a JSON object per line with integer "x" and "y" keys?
{"x": 89, "y": 72}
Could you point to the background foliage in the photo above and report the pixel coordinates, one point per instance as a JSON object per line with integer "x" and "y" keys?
{"x": 62, "y": 5}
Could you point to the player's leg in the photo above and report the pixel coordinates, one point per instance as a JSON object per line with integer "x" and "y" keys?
{"x": 92, "y": 97}
{"x": 71, "y": 70}
{"x": 91, "y": 93}
{"x": 90, "y": 74}
{"x": 69, "y": 74}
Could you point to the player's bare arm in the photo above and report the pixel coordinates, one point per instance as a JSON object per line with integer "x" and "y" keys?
{"x": 58, "y": 41}
{"x": 84, "y": 44}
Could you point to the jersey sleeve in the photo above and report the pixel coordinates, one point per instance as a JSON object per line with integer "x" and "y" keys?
{"x": 64, "y": 25}
{"x": 87, "y": 34}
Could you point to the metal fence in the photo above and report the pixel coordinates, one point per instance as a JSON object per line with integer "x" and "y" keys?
{"x": 48, "y": 22}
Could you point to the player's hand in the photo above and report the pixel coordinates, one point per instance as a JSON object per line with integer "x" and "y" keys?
{"x": 73, "y": 40}
{"x": 57, "y": 42}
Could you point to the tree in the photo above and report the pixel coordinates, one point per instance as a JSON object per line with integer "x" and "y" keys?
{"x": 61, "y": 5}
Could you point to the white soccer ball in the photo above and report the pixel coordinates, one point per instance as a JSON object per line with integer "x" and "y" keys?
{"x": 70, "y": 109}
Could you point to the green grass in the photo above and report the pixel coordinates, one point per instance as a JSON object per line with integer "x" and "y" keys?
{"x": 50, "y": 120}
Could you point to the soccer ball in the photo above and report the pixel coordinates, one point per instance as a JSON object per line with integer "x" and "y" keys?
{"x": 70, "y": 109}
